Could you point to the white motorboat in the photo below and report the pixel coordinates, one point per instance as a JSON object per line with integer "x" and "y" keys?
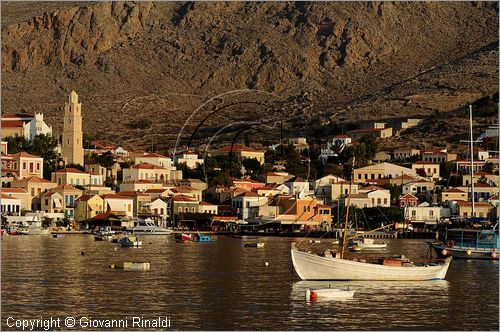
{"x": 147, "y": 227}
{"x": 310, "y": 266}
{"x": 368, "y": 244}
{"x": 328, "y": 294}
{"x": 28, "y": 226}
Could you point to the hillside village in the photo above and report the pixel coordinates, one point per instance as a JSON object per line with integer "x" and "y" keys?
{"x": 75, "y": 182}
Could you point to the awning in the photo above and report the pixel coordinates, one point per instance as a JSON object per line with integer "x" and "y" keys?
{"x": 115, "y": 206}
{"x": 57, "y": 202}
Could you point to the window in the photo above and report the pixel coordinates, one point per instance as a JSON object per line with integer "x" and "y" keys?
{"x": 413, "y": 213}
{"x": 32, "y": 191}
{"x": 385, "y": 201}
{"x": 379, "y": 201}
{"x": 431, "y": 213}
{"x": 24, "y": 165}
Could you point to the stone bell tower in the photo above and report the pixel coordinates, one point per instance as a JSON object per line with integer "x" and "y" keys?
{"x": 72, "y": 136}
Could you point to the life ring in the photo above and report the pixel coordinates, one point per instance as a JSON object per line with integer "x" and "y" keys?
{"x": 450, "y": 243}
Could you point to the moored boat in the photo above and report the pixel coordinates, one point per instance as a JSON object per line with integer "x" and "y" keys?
{"x": 468, "y": 244}
{"x": 129, "y": 241}
{"x": 147, "y": 227}
{"x": 336, "y": 266}
{"x": 183, "y": 237}
{"x": 328, "y": 294}
{"x": 202, "y": 238}
{"x": 310, "y": 266}
{"x": 254, "y": 244}
{"x": 368, "y": 244}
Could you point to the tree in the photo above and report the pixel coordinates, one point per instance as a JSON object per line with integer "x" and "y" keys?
{"x": 17, "y": 144}
{"x": 42, "y": 145}
{"x": 488, "y": 167}
{"x": 252, "y": 166}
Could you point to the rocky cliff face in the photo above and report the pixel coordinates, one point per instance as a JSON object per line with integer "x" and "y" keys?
{"x": 319, "y": 63}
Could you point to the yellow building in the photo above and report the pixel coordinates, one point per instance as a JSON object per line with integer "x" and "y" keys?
{"x": 453, "y": 194}
{"x": 20, "y": 194}
{"x": 35, "y": 187}
{"x": 481, "y": 210}
{"x": 88, "y": 206}
{"x": 75, "y": 177}
{"x": 240, "y": 152}
{"x": 381, "y": 171}
{"x": 146, "y": 171}
{"x": 72, "y": 136}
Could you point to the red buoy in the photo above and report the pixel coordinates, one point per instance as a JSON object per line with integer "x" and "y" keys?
{"x": 314, "y": 296}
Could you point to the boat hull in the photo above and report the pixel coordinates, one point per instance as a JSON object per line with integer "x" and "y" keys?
{"x": 461, "y": 252}
{"x": 157, "y": 232}
{"x": 313, "y": 267}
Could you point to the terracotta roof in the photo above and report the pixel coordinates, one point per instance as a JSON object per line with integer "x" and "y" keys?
{"x": 24, "y": 155}
{"x": 12, "y": 124}
{"x": 85, "y": 198}
{"x": 35, "y": 179}
{"x": 476, "y": 204}
{"x": 132, "y": 193}
{"x": 16, "y": 115}
{"x": 114, "y": 196}
{"x": 341, "y": 136}
{"x": 183, "y": 198}
{"x": 409, "y": 196}
{"x": 322, "y": 206}
{"x": 248, "y": 194}
{"x": 271, "y": 186}
{"x": 146, "y": 166}
{"x": 156, "y": 190}
{"x": 13, "y": 190}
{"x": 205, "y": 203}
{"x": 453, "y": 190}
{"x": 296, "y": 179}
{"x": 107, "y": 215}
{"x": 70, "y": 170}
{"x": 152, "y": 155}
{"x": 373, "y": 188}
{"x": 7, "y": 197}
{"x": 49, "y": 193}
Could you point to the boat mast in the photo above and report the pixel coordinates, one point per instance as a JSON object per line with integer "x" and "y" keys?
{"x": 471, "y": 160}
{"x": 344, "y": 241}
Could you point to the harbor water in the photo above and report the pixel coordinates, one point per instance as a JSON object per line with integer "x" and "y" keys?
{"x": 225, "y": 286}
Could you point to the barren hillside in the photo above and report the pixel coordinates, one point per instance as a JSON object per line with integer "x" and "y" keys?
{"x": 314, "y": 65}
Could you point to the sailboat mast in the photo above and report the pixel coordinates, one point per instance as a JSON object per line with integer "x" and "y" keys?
{"x": 471, "y": 160}
{"x": 344, "y": 241}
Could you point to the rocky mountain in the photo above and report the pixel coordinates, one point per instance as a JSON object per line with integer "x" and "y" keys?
{"x": 199, "y": 69}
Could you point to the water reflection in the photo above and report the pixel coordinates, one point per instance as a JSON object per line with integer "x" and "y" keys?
{"x": 223, "y": 285}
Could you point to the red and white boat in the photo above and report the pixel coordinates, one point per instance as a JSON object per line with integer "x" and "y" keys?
{"x": 183, "y": 237}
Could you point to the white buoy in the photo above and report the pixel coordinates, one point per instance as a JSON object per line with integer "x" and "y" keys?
{"x": 116, "y": 248}
{"x": 308, "y": 294}
{"x": 266, "y": 264}
{"x": 469, "y": 252}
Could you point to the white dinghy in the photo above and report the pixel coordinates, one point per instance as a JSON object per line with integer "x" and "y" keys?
{"x": 328, "y": 294}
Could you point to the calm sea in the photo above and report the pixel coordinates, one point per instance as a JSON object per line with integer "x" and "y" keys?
{"x": 224, "y": 286}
